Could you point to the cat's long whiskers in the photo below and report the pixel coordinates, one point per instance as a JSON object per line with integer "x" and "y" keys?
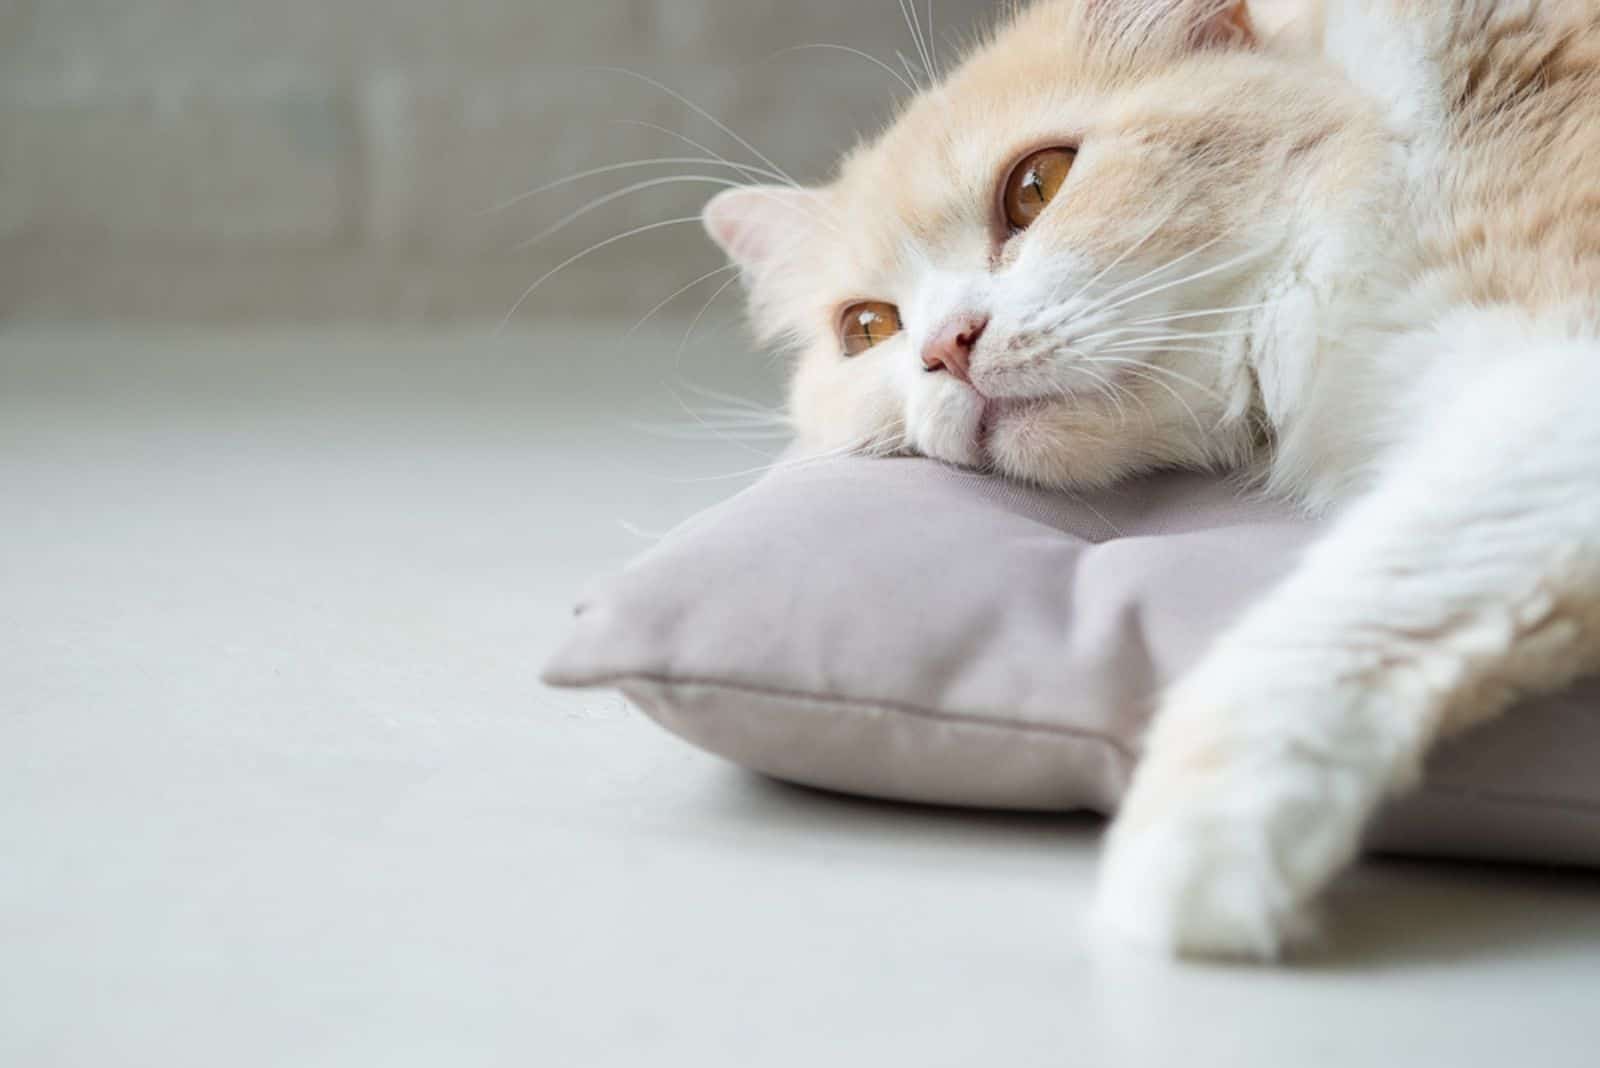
{"x": 1096, "y": 382}
{"x": 732, "y": 419}
{"x": 1133, "y": 394}
{"x": 720, "y": 436}
{"x": 1108, "y": 380}
{"x": 1102, "y": 385}
{"x": 591, "y": 250}
{"x": 1133, "y": 336}
{"x": 1202, "y": 314}
{"x": 1181, "y": 333}
{"x": 653, "y": 312}
{"x": 729, "y": 406}
{"x": 1194, "y": 416}
{"x": 1129, "y": 251}
{"x": 738, "y": 426}
{"x": 1154, "y": 346}
{"x": 1102, "y": 304}
{"x": 823, "y": 217}
{"x": 1109, "y": 390}
{"x": 774, "y": 176}
{"x": 1179, "y": 336}
{"x": 1140, "y": 401}
{"x": 1122, "y": 331}
{"x": 735, "y": 412}
{"x": 908, "y": 11}
{"x": 736, "y": 401}
{"x": 701, "y": 314}
{"x": 626, "y": 165}
{"x": 626, "y": 191}
{"x": 1138, "y": 371}
{"x": 868, "y": 56}
{"x": 739, "y": 413}
{"x": 696, "y": 432}
{"x": 1158, "y": 369}
{"x": 741, "y": 430}
{"x": 733, "y": 402}
{"x": 652, "y": 536}
{"x": 1189, "y": 279}
{"x": 703, "y": 113}
{"x": 911, "y": 71}
{"x": 681, "y": 432}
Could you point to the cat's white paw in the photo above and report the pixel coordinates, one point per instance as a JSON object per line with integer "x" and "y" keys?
{"x": 1198, "y": 881}
{"x": 1222, "y": 845}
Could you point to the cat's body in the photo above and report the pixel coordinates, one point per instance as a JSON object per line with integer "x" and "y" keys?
{"x": 1372, "y": 275}
{"x": 1486, "y": 221}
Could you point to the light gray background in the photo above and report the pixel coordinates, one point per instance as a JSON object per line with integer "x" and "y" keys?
{"x": 333, "y": 159}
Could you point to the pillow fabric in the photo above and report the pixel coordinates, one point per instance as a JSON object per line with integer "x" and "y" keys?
{"x": 905, "y": 630}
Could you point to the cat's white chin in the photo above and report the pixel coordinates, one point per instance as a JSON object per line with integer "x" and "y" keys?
{"x": 963, "y": 432}
{"x": 948, "y": 424}
{"x": 1060, "y": 443}
{"x": 1002, "y": 416}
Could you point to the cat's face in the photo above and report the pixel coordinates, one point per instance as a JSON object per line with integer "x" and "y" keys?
{"x": 1039, "y": 268}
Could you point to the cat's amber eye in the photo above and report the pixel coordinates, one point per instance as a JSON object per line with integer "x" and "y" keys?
{"x": 1033, "y": 184}
{"x": 867, "y": 324}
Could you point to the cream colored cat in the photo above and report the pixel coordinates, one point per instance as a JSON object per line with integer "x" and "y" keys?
{"x": 1128, "y": 234}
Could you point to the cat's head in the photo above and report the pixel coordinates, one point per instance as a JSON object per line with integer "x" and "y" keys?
{"x": 1027, "y": 271}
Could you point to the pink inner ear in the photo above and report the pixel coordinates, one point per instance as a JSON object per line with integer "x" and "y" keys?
{"x": 1228, "y": 26}
{"x": 1199, "y": 23}
{"x": 728, "y": 226}
{"x": 754, "y": 225}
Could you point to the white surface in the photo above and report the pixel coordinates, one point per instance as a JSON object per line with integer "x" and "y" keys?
{"x": 278, "y": 785}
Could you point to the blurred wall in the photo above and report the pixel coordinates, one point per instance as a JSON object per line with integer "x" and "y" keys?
{"x": 248, "y": 160}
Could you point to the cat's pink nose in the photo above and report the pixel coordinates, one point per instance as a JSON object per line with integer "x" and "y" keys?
{"x": 950, "y": 348}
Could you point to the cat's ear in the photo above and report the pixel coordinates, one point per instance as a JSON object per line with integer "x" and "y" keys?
{"x": 1223, "y": 24}
{"x": 757, "y": 225}
{"x": 1198, "y": 23}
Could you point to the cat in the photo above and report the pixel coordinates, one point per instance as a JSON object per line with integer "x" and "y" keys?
{"x": 1134, "y": 234}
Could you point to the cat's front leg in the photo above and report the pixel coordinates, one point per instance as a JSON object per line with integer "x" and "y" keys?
{"x": 1471, "y": 575}
{"x": 1248, "y": 799}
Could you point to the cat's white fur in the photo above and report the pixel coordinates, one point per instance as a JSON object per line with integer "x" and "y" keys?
{"x": 1445, "y": 406}
{"x": 1465, "y": 573}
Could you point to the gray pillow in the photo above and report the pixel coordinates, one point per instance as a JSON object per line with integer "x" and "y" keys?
{"x": 905, "y": 630}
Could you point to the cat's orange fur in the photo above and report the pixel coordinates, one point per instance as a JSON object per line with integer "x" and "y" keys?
{"x": 1363, "y": 257}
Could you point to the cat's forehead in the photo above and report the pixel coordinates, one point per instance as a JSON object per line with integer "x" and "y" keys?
{"x": 937, "y": 165}
{"x": 924, "y": 168}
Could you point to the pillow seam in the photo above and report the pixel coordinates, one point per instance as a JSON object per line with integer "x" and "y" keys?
{"x": 1129, "y": 759}
{"x": 618, "y": 679}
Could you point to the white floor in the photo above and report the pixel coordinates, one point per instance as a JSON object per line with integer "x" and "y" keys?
{"x": 278, "y": 785}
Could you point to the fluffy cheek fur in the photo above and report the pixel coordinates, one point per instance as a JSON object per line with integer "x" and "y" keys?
{"x": 1083, "y": 445}
{"x": 854, "y": 405}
